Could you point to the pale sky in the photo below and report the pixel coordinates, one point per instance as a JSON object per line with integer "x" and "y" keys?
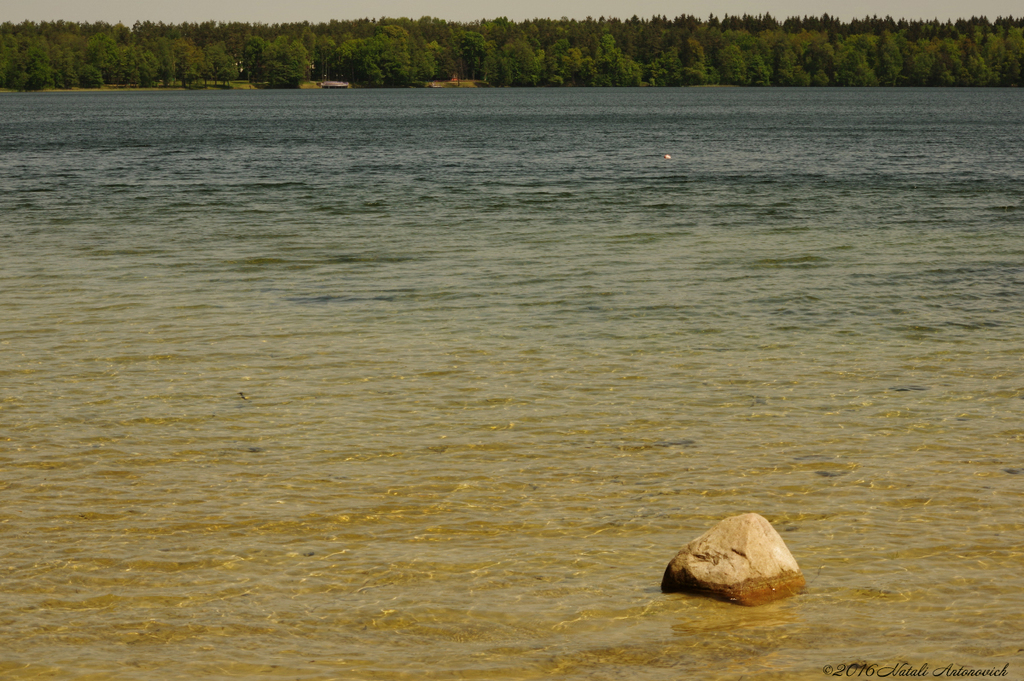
{"x": 315, "y": 11}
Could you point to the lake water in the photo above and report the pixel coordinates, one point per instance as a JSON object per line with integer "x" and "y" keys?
{"x": 498, "y": 361}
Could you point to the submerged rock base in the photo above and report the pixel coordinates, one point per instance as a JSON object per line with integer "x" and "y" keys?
{"x": 741, "y": 559}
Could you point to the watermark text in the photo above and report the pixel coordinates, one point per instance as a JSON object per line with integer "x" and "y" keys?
{"x": 906, "y": 670}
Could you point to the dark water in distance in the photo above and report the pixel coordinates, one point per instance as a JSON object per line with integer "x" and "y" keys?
{"x": 500, "y": 360}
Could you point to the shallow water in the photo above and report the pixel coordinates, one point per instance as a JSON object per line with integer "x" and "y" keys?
{"x": 500, "y": 360}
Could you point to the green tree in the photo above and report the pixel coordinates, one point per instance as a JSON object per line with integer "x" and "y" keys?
{"x": 8, "y": 53}
{"x": 286, "y": 63}
{"x": 819, "y": 57}
{"x": 323, "y": 56}
{"x": 90, "y": 77}
{"x": 666, "y": 69}
{"x": 165, "y": 61}
{"x": 220, "y": 65}
{"x": 1012, "y": 72}
{"x": 102, "y": 54}
{"x": 524, "y": 62}
{"x": 38, "y": 73}
{"x": 695, "y": 68}
{"x": 126, "y": 69}
{"x": 148, "y": 66}
{"x": 390, "y": 49}
{"x": 573, "y": 68}
{"x": 65, "y": 70}
{"x": 514, "y": 64}
{"x": 444, "y": 60}
{"x": 346, "y": 59}
{"x": 789, "y": 71}
{"x": 613, "y": 67}
{"x": 922, "y": 64}
{"x": 553, "y": 67}
{"x": 732, "y": 67}
{"x": 425, "y": 61}
{"x": 472, "y": 52}
{"x": 946, "y": 67}
{"x": 759, "y": 71}
{"x": 254, "y": 59}
{"x": 975, "y": 70}
{"x": 187, "y": 61}
{"x": 852, "y": 68}
{"x": 890, "y": 60}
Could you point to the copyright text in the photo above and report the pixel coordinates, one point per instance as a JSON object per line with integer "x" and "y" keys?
{"x": 907, "y": 670}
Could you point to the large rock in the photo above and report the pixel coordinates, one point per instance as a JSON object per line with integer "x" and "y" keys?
{"x": 741, "y": 559}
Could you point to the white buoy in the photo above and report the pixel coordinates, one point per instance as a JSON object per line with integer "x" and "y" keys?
{"x": 668, "y": 157}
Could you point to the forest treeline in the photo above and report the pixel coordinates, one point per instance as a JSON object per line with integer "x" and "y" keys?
{"x": 747, "y": 50}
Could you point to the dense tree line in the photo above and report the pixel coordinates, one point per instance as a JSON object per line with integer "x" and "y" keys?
{"x": 745, "y": 50}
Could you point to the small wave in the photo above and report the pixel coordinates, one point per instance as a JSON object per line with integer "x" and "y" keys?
{"x": 685, "y": 442}
{"x": 321, "y": 300}
{"x": 263, "y": 261}
{"x": 355, "y": 258}
{"x": 796, "y": 262}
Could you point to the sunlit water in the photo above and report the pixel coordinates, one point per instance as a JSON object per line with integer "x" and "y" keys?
{"x": 498, "y": 360}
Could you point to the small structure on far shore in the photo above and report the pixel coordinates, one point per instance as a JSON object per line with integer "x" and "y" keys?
{"x": 334, "y": 85}
{"x": 451, "y": 82}
{"x": 741, "y": 559}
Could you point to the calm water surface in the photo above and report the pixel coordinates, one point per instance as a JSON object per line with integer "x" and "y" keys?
{"x": 500, "y": 360}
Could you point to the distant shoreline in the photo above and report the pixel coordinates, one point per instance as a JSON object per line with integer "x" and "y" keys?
{"x": 479, "y": 86}
{"x": 755, "y": 51}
